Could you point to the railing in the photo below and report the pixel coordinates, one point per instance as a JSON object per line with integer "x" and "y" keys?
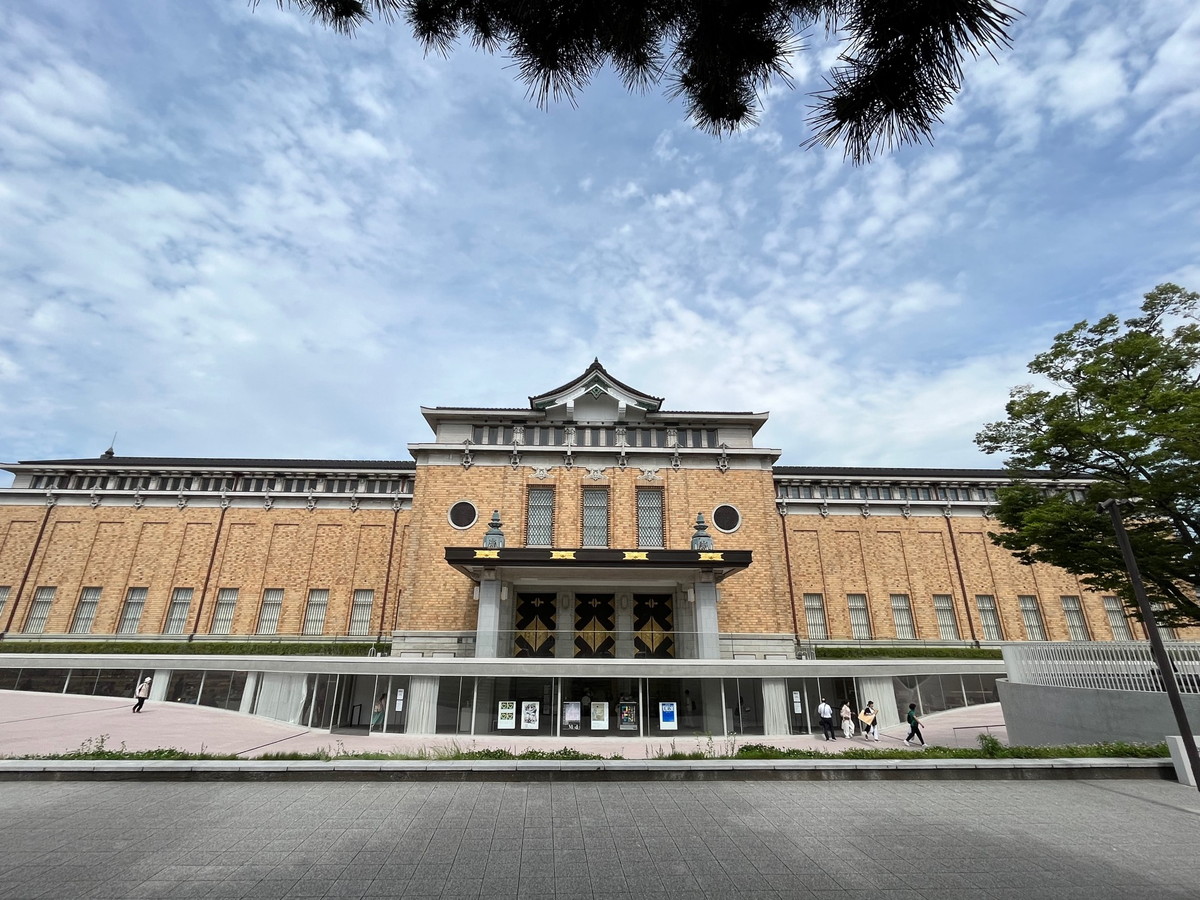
{"x": 1106, "y": 666}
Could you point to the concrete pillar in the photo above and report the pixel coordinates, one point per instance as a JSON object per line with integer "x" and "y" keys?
{"x": 487, "y": 627}
{"x": 708, "y": 645}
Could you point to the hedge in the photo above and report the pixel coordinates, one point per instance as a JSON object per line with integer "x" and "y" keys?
{"x": 195, "y": 648}
{"x": 907, "y": 653}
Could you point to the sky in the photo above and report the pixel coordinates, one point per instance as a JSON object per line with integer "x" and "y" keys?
{"x": 228, "y": 232}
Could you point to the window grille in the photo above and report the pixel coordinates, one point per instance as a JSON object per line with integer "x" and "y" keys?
{"x": 814, "y": 617}
{"x": 595, "y": 517}
{"x": 222, "y": 622}
{"x": 177, "y": 612}
{"x": 85, "y": 612}
{"x": 906, "y": 628}
{"x": 39, "y": 612}
{"x": 131, "y": 611}
{"x": 860, "y": 618}
{"x": 650, "y": 518}
{"x": 943, "y": 606}
{"x": 314, "y": 612}
{"x": 539, "y": 524}
{"x": 989, "y": 618}
{"x": 1168, "y": 634}
{"x": 1076, "y": 624}
{"x": 1117, "y": 621}
{"x": 268, "y": 613}
{"x": 1031, "y": 614}
{"x": 4, "y": 589}
{"x": 360, "y": 611}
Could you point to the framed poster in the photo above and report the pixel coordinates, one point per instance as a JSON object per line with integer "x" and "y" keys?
{"x": 507, "y": 717}
{"x": 667, "y": 716}
{"x": 572, "y": 711}
{"x": 627, "y": 716}
{"x": 531, "y": 714}
{"x": 599, "y": 715}
{"x": 797, "y": 704}
{"x": 399, "y": 699}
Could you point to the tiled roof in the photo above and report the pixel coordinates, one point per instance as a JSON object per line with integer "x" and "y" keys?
{"x": 870, "y": 472}
{"x": 187, "y": 462}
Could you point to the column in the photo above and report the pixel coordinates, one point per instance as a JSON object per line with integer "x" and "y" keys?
{"x": 487, "y": 627}
{"x": 708, "y": 645}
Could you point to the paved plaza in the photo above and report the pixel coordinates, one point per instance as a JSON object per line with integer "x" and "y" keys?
{"x": 893, "y": 840}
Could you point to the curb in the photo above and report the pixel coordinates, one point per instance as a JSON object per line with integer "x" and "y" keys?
{"x": 589, "y": 770}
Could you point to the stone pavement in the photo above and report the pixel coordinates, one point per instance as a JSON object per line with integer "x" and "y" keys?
{"x": 33, "y": 723}
{"x": 1111, "y": 840}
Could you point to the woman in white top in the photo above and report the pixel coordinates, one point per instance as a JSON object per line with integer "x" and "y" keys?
{"x": 847, "y": 719}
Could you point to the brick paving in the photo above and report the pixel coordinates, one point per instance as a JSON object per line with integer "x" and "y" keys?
{"x": 588, "y": 841}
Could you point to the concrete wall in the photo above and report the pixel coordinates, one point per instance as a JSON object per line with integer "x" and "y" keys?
{"x": 1037, "y": 715}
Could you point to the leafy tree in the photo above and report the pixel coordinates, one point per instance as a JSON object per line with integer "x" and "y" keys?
{"x": 900, "y": 67}
{"x": 1123, "y": 413}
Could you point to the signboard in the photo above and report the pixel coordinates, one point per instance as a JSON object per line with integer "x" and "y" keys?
{"x": 507, "y": 717}
{"x": 627, "y": 716}
{"x": 599, "y": 715}
{"x": 531, "y": 714}
{"x": 667, "y": 718}
{"x": 399, "y": 699}
{"x": 572, "y": 712}
{"x": 797, "y": 703}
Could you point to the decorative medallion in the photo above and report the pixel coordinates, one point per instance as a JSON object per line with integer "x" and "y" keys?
{"x": 650, "y": 474}
{"x": 596, "y": 473}
{"x": 94, "y": 500}
{"x": 541, "y": 471}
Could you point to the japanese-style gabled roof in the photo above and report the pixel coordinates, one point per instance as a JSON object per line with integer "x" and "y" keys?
{"x": 595, "y": 380}
{"x": 836, "y": 472}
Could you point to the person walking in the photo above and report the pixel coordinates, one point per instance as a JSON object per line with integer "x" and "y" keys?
{"x": 377, "y": 712}
{"x": 914, "y": 725}
{"x": 142, "y": 692}
{"x": 825, "y": 714}
{"x": 870, "y": 721}
{"x": 847, "y": 720}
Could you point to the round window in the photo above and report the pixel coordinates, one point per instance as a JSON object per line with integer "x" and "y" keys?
{"x": 727, "y": 518}
{"x": 463, "y": 514}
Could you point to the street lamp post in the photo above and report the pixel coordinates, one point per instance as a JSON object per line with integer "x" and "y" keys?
{"x": 1165, "y": 667}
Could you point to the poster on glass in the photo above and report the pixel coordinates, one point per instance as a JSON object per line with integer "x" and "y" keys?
{"x": 627, "y": 716}
{"x": 399, "y": 699}
{"x": 572, "y": 713}
{"x": 507, "y": 716}
{"x": 599, "y": 715}
{"x": 531, "y": 714}
{"x": 668, "y": 719}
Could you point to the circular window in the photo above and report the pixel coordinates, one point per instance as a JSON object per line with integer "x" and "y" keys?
{"x": 727, "y": 518}
{"x": 463, "y": 514}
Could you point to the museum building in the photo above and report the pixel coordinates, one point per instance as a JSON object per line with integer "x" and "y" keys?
{"x": 591, "y": 562}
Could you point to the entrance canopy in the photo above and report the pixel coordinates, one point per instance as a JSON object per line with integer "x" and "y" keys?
{"x": 578, "y": 565}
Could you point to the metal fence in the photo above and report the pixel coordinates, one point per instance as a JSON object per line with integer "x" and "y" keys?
{"x": 1106, "y": 666}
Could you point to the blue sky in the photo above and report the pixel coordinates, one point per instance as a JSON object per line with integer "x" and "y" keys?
{"x": 231, "y": 233}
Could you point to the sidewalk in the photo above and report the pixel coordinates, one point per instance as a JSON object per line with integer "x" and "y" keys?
{"x": 34, "y": 723}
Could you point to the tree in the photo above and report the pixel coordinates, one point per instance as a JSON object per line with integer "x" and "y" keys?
{"x": 1124, "y": 414}
{"x": 901, "y": 66}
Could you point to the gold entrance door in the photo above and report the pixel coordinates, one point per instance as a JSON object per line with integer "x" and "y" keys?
{"x": 533, "y": 621}
{"x": 654, "y": 626}
{"x": 595, "y": 621}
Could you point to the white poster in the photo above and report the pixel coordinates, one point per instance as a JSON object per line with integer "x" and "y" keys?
{"x": 507, "y": 717}
{"x": 599, "y": 715}
{"x": 797, "y": 703}
{"x": 399, "y": 699}
{"x": 572, "y": 711}
{"x": 668, "y": 719}
{"x": 531, "y": 714}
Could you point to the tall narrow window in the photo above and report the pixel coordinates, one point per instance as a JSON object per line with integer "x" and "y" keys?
{"x": 943, "y": 606}
{"x": 1117, "y": 621}
{"x": 1076, "y": 624}
{"x": 268, "y": 613}
{"x": 650, "y": 518}
{"x": 360, "y": 611}
{"x": 314, "y": 612}
{"x": 85, "y": 612}
{"x": 814, "y": 617}
{"x": 1168, "y": 634}
{"x": 595, "y": 517}
{"x": 906, "y": 628}
{"x": 989, "y": 617}
{"x": 222, "y": 622}
{"x": 39, "y": 611}
{"x": 1031, "y": 615}
{"x": 177, "y": 612}
{"x": 4, "y": 589}
{"x": 860, "y": 618}
{"x": 539, "y": 521}
{"x": 131, "y": 611}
